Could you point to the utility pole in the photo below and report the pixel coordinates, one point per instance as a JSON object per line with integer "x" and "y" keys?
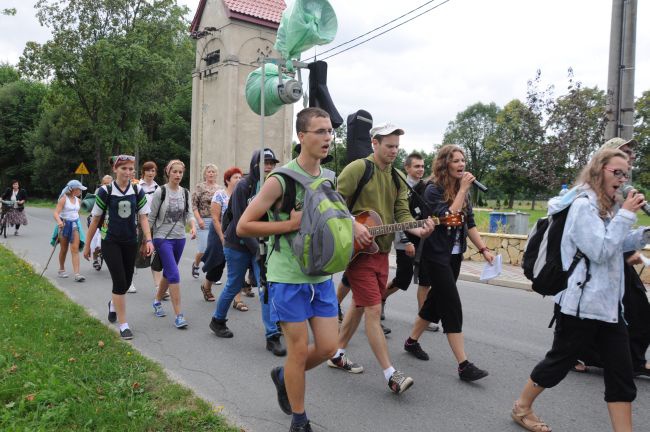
{"x": 620, "y": 80}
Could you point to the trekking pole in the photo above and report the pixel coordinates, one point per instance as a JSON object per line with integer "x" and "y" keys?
{"x": 56, "y": 242}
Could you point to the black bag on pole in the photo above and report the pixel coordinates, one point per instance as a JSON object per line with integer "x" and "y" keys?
{"x": 359, "y": 145}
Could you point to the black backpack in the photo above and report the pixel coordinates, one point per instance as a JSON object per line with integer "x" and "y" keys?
{"x": 227, "y": 216}
{"x": 542, "y": 261}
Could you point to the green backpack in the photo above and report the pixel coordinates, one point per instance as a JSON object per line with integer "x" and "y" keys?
{"x": 325, "y": 241}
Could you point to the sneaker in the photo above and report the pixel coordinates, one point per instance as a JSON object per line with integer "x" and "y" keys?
{"x": 398, "y": 383}
{"x": 62, "y": 274}
{"x": 306, "y": 427}
{"x": 432, "y": 327}
{"x": 96, "y": 264}
{"x": 112, "y": 316}
{"x": 383, "y": 315}
{"x": 283, "y": 399}
{"x": 195, "y": 271}
{"x": 132, "y": 289}
{"x": 342, "y": 362}
{"x": 642, "y": 372}
{"x": 219, "y": 327}
{"x": 179, "y": 322}
{"x": 79, "y": 278}
{"x": 158, "y": 309}
{"x": 274, "y": 344}
{"x": 416, "y": 350}
{"x": 386, "y": 330}
{"x": 471, "y": 373}
{"x": 340, "y": 314}
{"x": 126, "y": 334}
{"x": 218, "y": 282}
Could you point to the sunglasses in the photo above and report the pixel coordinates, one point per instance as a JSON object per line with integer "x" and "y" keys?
{"x": 619, "y": 174}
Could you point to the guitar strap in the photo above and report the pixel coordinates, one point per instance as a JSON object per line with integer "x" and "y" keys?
{"x": 416, "y": 263}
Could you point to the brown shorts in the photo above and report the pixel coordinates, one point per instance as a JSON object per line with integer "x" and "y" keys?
{"x": 368, "y": 275}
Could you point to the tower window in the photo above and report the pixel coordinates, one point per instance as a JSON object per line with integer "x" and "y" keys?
{"x": 212, "y": 57}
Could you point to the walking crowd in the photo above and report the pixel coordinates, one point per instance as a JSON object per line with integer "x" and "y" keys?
{"x": 250, "y": 227}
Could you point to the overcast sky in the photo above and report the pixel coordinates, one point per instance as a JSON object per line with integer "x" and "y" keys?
{"x": 423, "y": 73}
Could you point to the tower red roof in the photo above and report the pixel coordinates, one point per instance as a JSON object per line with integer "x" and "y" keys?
{"x": 262, "y": 12}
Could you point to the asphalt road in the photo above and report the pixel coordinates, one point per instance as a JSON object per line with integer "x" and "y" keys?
{"x": 505, "y": 331}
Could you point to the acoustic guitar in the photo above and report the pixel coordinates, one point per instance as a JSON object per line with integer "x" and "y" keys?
{"x": 373, "y": 222}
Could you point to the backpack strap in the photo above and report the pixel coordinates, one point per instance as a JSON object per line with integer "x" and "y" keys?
{"x": 109, "y": 192}
{"x": 365, "y": 178}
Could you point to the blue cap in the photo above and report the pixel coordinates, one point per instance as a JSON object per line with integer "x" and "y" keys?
{"x": 75, "y": 184}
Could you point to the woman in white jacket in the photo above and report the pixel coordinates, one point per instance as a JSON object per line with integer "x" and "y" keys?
{"x": 589, "y": 310}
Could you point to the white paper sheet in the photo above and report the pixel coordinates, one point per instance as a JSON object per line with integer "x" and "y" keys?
{"x": 646, "y": 261}
{"x": 490, "y": 271}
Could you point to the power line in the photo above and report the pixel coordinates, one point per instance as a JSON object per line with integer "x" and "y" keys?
{"x": 384, "y": 32}
{"x": 375, "y": 29}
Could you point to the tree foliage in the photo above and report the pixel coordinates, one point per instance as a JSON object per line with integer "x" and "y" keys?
{"x": 641, "y": 174}
{"x": 114, "y": 59}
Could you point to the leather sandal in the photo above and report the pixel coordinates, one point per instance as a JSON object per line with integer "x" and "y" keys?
{"x": 528, "y": 420}
{"x": 240, "y": 306}
{"x": 207, "y": 292}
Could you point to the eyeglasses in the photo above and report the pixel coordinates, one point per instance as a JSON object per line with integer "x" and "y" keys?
{"x": 322, "y": 132}
{"x": 619, "y": 174}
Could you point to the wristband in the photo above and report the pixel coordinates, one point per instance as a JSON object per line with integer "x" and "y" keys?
{"x": 149, "y": 241}
{"x": 483, "y": 249}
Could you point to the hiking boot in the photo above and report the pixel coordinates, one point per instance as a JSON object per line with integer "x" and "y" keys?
{"x": 432, "y": 327}
{"x": 416, "y": 350}
{"x": 274, "y": 344}
{"x": 195, "y": 271}
{"x": 340, "y": 314}
{"x": 385, "y": 329}
{"x": 470, "y": 372}
{"x": 398, "y": 383}
{"x": 283, "y": 399}
{"x": 219, "y": 327}
{"x": 158, "y": 309}
{"x": 126, "y": 334}
{"x": 132, "y": 289}
{"x": 301, "y": 428}
{"x": 112, "y": 316}
{"x": 180, "y": 322}
{"x": 343, "y": 363}
{"x": 383, "y": 315}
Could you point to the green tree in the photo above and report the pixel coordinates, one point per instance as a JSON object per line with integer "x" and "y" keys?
{"x": 20, "y": 110}
{"x": 641, "y": 174}
{"x": 114, "y": 56}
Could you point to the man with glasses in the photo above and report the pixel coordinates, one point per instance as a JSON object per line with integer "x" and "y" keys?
{"x": 368, "y": 273}
{"x": 298, "y": 301}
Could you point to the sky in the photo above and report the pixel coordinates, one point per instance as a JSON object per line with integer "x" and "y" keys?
{"x": 420, "y": 75}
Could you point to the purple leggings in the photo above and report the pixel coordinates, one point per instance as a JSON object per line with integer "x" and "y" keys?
{"x": 170, "y": 251}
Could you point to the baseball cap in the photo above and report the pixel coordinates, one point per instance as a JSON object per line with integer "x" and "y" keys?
{"x": 384, "y": 129}
{"x": 617, "y": 143}
{"x": 269, "y": 155}
{"x": 76, "y": 184}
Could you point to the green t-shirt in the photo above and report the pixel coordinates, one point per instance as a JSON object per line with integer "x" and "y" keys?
{"x": 282, "y": 265}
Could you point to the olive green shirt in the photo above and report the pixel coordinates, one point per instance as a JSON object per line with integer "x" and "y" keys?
{"x": 379, "y": 194}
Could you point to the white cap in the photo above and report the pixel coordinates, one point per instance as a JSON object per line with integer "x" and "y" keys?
{"x": 384, "y": 129}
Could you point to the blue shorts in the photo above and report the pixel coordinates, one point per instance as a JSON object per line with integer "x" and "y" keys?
{"x": 300, "y": 302}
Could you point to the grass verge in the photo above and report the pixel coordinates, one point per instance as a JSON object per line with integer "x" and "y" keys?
{"x": 61, "y": 369}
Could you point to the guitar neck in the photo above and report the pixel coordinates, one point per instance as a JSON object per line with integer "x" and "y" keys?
{"x": 392, "y": 228}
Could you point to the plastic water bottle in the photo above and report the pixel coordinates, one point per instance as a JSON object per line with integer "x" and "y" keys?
{"x": 564, "y": 189}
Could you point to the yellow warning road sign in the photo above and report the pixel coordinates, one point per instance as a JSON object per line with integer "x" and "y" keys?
{"x": 81, "y": 169}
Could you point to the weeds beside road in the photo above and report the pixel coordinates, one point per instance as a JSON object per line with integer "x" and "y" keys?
{"x": 61, "y": 369}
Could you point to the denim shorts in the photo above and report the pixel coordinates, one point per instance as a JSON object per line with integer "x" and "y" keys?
{"x": 300, "y": 302}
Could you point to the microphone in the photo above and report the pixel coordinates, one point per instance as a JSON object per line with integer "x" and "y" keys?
{"x": 480, "y": 185}
{"x": 626, "y": 189}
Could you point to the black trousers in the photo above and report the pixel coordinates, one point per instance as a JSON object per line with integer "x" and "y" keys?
{"x": 571, "y": 336}
{"x": 443, "y": 302}
{"x": 120, "y": 260}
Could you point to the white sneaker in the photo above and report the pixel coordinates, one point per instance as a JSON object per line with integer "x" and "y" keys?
{"x": 79, "y": 278}
{"x": 62, "y": 274}
{"x": 132, "y": 289}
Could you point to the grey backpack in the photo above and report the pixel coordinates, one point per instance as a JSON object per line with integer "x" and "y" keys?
{"x": 324, "y": 243}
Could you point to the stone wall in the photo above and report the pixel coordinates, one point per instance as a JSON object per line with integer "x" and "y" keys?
{"x": 511, "y": 248}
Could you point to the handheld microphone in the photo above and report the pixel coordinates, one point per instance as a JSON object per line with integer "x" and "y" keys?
{"x": 626, "y": 189}
{"x": 480, "y": 185}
